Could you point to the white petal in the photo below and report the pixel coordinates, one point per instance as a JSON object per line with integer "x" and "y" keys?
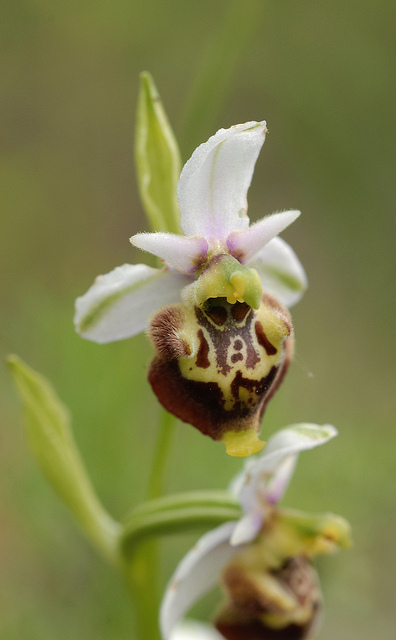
{"x": 214, "y": 182}
{"x": 118, "y": 304}
{"x": 285, "y": 444}
{"x": 238, "y": 481}
{"x": 244, "y": 244}
{"x": 186, "y": 254}
{"x": 279, "y": 480}
{"x": 296, "y": 438}
{"x": 193, "y": 630}
{"x": 197, "y": 573}
{"x": 247, "y": 528}
{"x": 281, "y": 273}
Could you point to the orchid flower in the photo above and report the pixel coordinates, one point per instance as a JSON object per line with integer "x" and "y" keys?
{"x": 261, "y": 556}
{"x": 222, "y": 345}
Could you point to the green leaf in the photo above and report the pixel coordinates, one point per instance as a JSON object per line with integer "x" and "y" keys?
{"x": 157, "y": 159}
{"x": 177, "y": 513}
{"x": 52, "y": 443}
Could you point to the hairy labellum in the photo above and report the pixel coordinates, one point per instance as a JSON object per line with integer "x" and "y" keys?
{"x": 218, "y": 364}
{"x": 278, "y": 605}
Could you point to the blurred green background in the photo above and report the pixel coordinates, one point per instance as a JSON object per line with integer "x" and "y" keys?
{"x": 323, "y": 75}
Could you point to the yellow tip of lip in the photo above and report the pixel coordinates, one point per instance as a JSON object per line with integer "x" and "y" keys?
{"x": 242, "y": 443}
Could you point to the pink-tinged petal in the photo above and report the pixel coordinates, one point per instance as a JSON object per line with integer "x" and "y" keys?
{"x": 186, "y": 254}
{"x": 281, "y": 273}
{"x": 244, "y": 244}
{"x": 119, "y": 303}
{"x": 238, "y": 482}
{"x": 263, "y": 474}
{"x": 214, "y": 182}
{"x": 197, "y": 573}
{"x": 193, "y": 630}
{"x": 247, "y": 528}
{"x": 279, "y": 480}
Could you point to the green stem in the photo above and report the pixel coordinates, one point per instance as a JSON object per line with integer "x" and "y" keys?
{"x": 141, "y": 582}
{"x": 162, "y": 449}
{"x": 142, "y": 566}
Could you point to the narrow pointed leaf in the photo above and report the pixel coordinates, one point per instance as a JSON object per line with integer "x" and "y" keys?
{"x": 157, "y": 158}
{"x": 53, "y": 446}
{"x": 146, "y": 524}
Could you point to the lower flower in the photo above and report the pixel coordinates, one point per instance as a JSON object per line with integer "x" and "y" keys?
{"x": 263, "y": 561}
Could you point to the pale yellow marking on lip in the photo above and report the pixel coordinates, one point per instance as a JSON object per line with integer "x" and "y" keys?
{"x": 276, "y": 332}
